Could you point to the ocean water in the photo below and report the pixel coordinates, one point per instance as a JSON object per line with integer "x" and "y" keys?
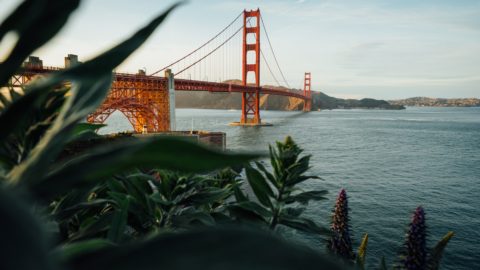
{"x": 389, "y": 162}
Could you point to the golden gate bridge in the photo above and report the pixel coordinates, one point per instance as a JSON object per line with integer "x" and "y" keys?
{"x": 148, "y": 100}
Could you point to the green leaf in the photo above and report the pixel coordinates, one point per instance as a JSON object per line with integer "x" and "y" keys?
{"x": 269, "y": 176}
{"x": 91, "y": 84}
{"x": 383, "y": 264}
{"x": 93, "y": 227}
{"x": 32, "y": 169}
{"x": 274, "y": 161}
{"x": 14, "y": 115}
{"x": 307, "y": 196}
{"x": 115, "y": 56}
{"x": 362, "y": 251}
{"x": 36, "y": 22}
{"x": 162, "y": 152}
{"x": 249, "y": 211}
{"x": 83, "y": 131}
{"x": 211, "y": 248}
{"x": 254, "y": 207}
{"x": 240, "y": 195}
{"x": 65, "y": 213}
{"x": 303, "y": 224}
{"x": 209, "y": 195}
{"x": 259, "y": 185}
{"x": 192, "y": 220}
{"x": 119, "y": 222}
{"x": 293, "y": 212}
{"x": 24, "y": 240}
{"x": 73, "y": 250}
{"x": 437, "y": 252}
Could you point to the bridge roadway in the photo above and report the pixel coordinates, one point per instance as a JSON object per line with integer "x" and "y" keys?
{"x": 160, "y": 83}
{"x": 145, "y": 100}
{"x": 194, "y": 86}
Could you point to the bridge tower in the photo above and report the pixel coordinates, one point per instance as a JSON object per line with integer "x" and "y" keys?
{"x": 307, "y": 92}
{"x": 251, "y": 100}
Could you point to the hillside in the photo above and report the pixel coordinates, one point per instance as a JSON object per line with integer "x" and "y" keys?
{"x": 206, "y": 100}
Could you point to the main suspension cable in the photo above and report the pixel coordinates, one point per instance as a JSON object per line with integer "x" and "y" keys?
{"x": 271, "y": 48}
{"x": 208, "y": 54}
{"x": 203, "y": 45}
{"x": 265, "y": 60}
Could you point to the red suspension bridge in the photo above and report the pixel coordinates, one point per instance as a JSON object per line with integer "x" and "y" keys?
{"x": 148, "y": 101}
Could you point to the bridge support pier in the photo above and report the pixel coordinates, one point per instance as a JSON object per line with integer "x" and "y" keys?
{"x": 307, "y": 105}
{"x": 251, "y": 100}
{"x": 171, "y": 97}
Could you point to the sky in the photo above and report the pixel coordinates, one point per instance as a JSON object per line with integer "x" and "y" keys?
{"x": 387, "y": 49}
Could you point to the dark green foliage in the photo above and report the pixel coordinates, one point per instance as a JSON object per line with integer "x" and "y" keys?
{"x": 280, "y": 200}
{"x": 383, "y": 264}
{"x": 25, "y": 243}
{"x": 133, "y": 204}
{"x": 35, "y": 22}
{"x": 227, "y": 248}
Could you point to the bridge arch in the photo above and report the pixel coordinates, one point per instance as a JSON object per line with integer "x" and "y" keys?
{"x": 143, "y": 100}
{"x": 139, "y": 115}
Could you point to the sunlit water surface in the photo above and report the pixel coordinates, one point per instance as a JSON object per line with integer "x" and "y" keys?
{"x": 389, "y": 162}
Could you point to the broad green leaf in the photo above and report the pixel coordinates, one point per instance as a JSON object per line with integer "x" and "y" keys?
{"x": 82, "y": 127}
{"x": 293, "y": 212}
{"x": 94, "y": 227}
{"x": 303, "y": 224}
{"x": 240, "y": 195}
{"x": 307, "y": 196}
{"x": 210, "y": 195}
{"x": 269, "y": 176}
{"x": 362, "y": 251}
{"x": 211, "y": 248}
{"x": 274, "y": 161}
{"x": 115, "y": 56}
{"x": 253, "y": 207}
{"x": 32, "y": 169}
{"x": 192, "y": 220}
{"x": 25, "y": 243}
{"x": 17, "y": 113}
{"x": 119, "y": 222}
{"x": 63, "y": 214}
{"x": 73, "y": 250}
{"x": 115, "y": 185}
{"x": 162, "y": 152}
{"x": 91, "y": 84}
{"x": 437, "y": 252}
{"x": 250, "y": 212}
{"x": 85, "y": 131}
{"x": 259, "y": 185}
{"x": 383, "y": 264}
{"x": 36, "y": 22}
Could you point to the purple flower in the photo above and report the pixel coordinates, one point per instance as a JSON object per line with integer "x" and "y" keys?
{"x": 340, "y": 242}
{"x": 415, "y": 254}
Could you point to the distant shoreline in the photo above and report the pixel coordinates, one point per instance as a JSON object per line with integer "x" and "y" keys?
{"x": 437, "y": 102}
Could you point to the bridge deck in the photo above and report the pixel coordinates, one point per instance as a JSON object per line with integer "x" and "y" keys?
{"x": 182, "y": 84}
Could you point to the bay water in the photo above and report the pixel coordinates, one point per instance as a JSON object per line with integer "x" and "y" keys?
{"x": 389, "y": 162}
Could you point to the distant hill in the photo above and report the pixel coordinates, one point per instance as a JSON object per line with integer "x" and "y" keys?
{"x": 324, "y": 101}
{"x": 206, "y": 100}
{"x": 437, "y": 102}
